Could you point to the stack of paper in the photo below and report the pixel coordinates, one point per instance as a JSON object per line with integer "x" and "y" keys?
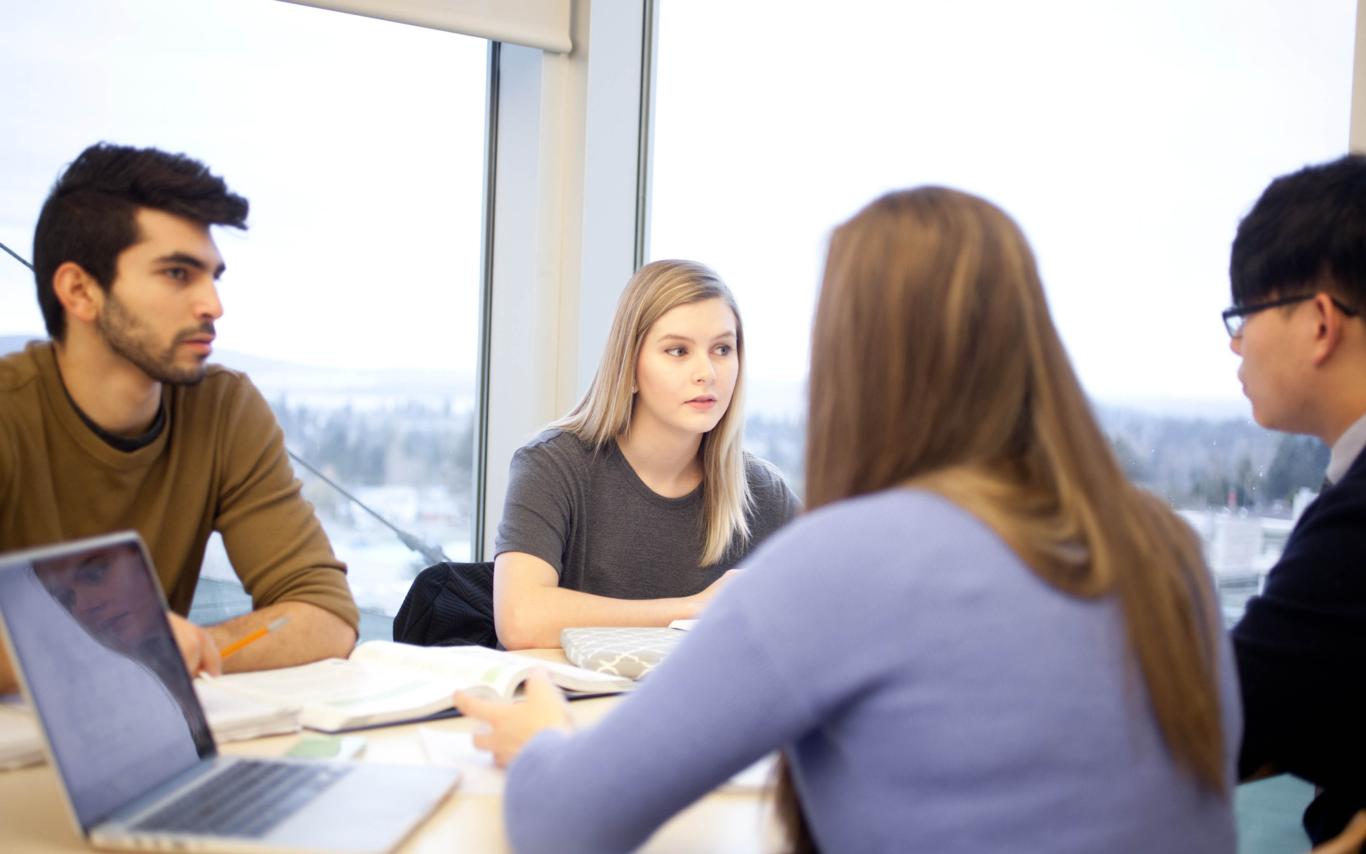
{"x": 237, "y": 717}
{"x": 20, "y": 742}
{"x": 232, "y": 717}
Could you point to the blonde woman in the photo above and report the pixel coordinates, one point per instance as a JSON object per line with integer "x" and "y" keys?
{"x": 633, "y": 508}
{"x": 981, "y": 637}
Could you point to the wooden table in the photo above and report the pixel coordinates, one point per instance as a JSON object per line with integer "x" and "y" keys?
{"x": 34, "y": 819}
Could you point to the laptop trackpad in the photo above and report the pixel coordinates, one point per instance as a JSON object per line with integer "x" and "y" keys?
{"x": 370, "y": 809}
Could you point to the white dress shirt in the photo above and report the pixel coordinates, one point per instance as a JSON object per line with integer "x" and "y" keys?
{"x": 1346, "y": 449}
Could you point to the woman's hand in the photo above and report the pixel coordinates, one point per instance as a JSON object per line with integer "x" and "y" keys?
{"x": 698, "y": 602}
{"x": 508, "y": 726}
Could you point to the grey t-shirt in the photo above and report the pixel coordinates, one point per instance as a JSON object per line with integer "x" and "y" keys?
{"x": 592, "y": 518}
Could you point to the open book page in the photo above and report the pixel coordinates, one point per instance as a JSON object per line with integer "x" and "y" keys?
{"x": 475, "y": 669}
{"x": 337, "y": 694}
{"x": 384, "y": 682}
{"x": 577, "y": 680}
{"x": 235, "y": 717}
{"x": 481, "y": 670}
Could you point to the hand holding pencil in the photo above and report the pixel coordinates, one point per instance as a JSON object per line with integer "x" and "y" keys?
{"x": 196, "y": 645}
{"x": 202, "y": 655}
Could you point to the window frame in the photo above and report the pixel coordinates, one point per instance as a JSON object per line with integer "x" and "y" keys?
{"x": 567, "y": 204}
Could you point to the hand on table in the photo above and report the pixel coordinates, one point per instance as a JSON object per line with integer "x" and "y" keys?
{"x": 508, "y": 726}
{"x": 196, "y": 647}
{"x": 700, "y": 601}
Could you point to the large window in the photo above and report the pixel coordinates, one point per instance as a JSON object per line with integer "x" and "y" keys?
{"x": 1127, "y": 138}
{"x": 353, "y": 299}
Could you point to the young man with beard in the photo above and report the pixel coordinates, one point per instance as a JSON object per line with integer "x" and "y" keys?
{"x": 118, "y": 421}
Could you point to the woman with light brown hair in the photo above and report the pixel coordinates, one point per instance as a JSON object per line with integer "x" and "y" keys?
{"x": 635, "y": 508}
{"x": 980, "y": 637}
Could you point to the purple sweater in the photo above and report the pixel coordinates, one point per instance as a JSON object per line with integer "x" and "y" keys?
{"x": 932, "y": 694}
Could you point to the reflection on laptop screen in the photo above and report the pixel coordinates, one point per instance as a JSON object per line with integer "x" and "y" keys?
{"x": 104, "y": 672}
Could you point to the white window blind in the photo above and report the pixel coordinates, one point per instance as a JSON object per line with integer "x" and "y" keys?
{"x": 541, "y": 24}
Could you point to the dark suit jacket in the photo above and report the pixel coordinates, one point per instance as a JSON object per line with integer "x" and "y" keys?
{"x": 1301, "y": 650}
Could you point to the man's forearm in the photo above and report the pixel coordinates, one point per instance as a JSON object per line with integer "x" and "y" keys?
{"x": 310, "y": 634}
{"x": 538, "y": 615}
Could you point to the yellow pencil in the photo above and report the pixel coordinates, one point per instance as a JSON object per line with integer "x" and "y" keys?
{"x": 251, "y": 637}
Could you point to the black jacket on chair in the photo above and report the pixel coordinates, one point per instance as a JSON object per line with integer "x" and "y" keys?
{"x": 449, "y": 604}
{"x": 1301, "y": 651}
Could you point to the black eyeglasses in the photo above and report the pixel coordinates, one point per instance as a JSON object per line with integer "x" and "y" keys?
{"x": 1236, "y": 317}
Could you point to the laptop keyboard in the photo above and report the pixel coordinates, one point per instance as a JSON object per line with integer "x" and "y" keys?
{"x": 246, "y": 800}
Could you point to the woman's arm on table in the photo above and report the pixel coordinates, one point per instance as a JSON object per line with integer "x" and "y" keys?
{"x": 711, "y": 709}
{"x": 530, "y": 608}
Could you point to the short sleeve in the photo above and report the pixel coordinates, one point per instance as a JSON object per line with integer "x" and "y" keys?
{"x": 775, "y": 504}
{"x": 538, "y": 514}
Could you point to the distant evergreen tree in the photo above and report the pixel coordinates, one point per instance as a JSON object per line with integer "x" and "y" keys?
{"x": 1247, "y": 483}
{"x": 1300, "y": 461}
{"x": 1135, "y": 466}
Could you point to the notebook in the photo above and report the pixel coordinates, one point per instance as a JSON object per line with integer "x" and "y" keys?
{"x": 85, "y": 623}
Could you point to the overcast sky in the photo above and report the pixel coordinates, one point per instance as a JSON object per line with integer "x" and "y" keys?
{"x": 359, "y": 143}
{"x": 1126, "y": 137}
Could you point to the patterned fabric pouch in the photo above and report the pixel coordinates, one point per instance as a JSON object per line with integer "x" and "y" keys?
{"x": 629, "y": 652}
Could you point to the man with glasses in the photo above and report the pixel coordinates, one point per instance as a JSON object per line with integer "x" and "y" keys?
{"x": 1298, "y": 271}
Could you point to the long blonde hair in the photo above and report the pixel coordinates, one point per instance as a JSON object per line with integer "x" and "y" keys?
{"x": 935, "y": 364}
{"x": 604, "y": 413}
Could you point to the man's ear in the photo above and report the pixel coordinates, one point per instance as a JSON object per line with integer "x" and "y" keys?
{"x": 1328, "y": 320}
{"x": 78, "y": 292}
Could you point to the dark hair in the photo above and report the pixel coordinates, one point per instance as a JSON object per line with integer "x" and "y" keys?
{"x": 1307, "y": 231}
{"x": 89, "y": 215}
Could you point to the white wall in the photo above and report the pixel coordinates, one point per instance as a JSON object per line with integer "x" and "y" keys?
{"x": 1357, "y": 141}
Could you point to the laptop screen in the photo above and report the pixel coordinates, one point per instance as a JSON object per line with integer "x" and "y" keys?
{"x": 89, "y": 632}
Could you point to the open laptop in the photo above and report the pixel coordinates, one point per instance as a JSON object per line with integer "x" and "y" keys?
{"x": 86, "y": 625}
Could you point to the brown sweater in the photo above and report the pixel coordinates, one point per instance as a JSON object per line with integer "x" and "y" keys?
{"x": 218, "y": 464}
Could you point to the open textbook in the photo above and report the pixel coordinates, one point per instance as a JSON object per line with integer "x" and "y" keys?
{"x": 384, "y": 682}
{"x": 231, "y": 717}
